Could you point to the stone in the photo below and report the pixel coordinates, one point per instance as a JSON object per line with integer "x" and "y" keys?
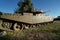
{"x": 3, "y": 33}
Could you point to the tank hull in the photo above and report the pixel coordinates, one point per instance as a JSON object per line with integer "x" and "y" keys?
{"x": 17, "y": 21}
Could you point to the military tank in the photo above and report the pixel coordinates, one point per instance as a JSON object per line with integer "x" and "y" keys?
{"x": 24, "y": 19}
{"x": 27, "y": 20}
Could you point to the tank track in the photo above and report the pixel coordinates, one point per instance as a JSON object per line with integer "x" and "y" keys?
{"x": 16, "y": 25}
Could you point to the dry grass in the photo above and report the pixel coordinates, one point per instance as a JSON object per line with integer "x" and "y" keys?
{"x": 46, "y": 32}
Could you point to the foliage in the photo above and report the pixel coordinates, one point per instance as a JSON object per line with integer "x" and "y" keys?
{"x": 24, "y": 6}
{"x": 0, "y": 13}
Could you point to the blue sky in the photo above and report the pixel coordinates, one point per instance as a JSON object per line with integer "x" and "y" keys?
{"x": 52, "y": 6}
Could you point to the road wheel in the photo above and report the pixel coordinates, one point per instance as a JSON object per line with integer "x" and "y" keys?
{"x": 6, "y": 25}
{"x": 16, "y": 27}
{"x": 26, "y": 26}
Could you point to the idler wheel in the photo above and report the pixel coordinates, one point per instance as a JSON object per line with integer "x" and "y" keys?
{"x": 16, "y": 27}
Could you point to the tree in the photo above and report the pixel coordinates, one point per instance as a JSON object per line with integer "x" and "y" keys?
{"x": 28, "y": 3}
{"x": 25, "y": 6}
{"x": 0, "y": 13}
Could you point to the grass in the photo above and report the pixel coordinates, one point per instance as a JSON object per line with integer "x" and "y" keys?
{"x": 46, "y": 32}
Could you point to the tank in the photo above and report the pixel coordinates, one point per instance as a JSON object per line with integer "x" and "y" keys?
{"x": 24, "y": 17}
{"x": 27, "y": 20}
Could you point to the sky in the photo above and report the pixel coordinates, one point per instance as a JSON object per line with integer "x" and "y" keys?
{"x": 51, "y": 7}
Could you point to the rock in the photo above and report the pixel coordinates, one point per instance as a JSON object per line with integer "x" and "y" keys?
{"x": 3, "y": 33}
